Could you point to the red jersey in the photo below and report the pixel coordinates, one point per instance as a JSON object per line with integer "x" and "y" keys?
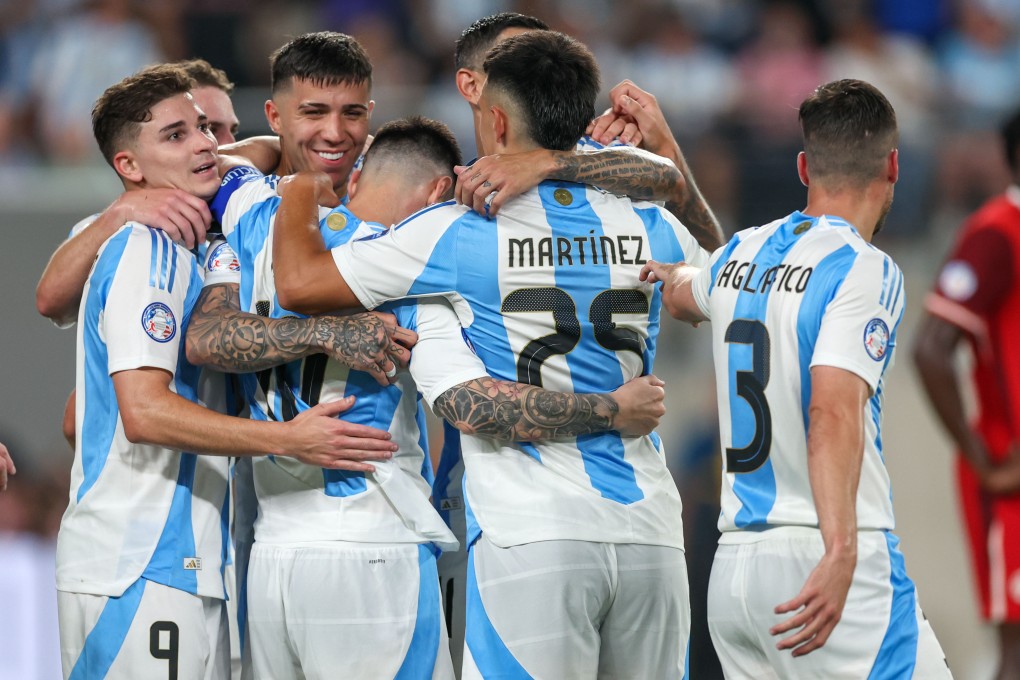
{"x": 978, "y": 291}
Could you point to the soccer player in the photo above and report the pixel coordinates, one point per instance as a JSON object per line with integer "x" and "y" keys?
{"x": 975, "y": 301}
{"x": 634, "y": 118}
{"x": 606, "y": 162}
{"x": 140, "y": 548}
{"x": 212, "y": 94}
{"x": 185, "y": 218}
{"x": 805, "y": 313}
{"x": 576, "y": 562}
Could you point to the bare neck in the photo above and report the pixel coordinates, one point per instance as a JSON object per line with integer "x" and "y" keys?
{"x": 374, "y": 205}
{"x": 860, "y": 207}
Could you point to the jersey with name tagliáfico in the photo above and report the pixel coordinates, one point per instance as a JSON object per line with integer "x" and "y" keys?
{"x": 796, "y": 293}
{"x": 298, "y": 502}
{"x": 548, "y": 294}
{"x": 138, "y": 510}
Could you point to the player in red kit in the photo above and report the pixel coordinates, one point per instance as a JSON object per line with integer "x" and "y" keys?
{"x": 977, "y": 298}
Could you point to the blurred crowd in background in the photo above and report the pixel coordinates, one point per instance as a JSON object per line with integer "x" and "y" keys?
{"x": 728, "y": 73}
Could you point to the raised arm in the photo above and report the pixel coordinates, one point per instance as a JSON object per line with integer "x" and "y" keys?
{"x": 626, "y": 171}
{"x": 686, "y": 201}
{"x": 182, "y": 216}
{"x": 222, "y": 337}
{"x": 518, "y": 412}
{"x": 835, "y": 451}
{"x": 307, "y": 279}
{"x": 262, "y": 151}
{"x": 153, "y": 414}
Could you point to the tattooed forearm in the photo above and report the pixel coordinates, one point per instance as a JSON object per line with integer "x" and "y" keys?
{"x": 518, "y": 412}
{"x": 692, "y": 210}
{"x": 223, "y": 337}
{"x": 630, "y": 172}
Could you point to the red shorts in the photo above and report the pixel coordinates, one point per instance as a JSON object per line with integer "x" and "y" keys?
{"x": 993, "y": 532}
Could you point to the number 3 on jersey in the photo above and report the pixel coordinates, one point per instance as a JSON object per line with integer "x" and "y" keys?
{"x": 568, "y": 325}
{"x": 750, "y": 386}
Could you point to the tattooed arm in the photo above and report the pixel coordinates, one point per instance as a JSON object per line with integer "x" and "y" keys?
{"x": 223, "y": 337}
{"x": 631, "y": 103}
{"x": 519, "y": 412}
{"x": 625, "y": 171}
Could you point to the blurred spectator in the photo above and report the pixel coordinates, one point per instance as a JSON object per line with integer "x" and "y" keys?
{"x": 980, "y": 60}
{"x": 30, "y": 513}
{"x": 101, "y": 43}
{"x": 904, "y": 68}
{"x": 922, "y": 19}
{"x": 779, "y": 68}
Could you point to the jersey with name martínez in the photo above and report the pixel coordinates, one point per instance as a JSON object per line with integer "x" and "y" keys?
{"x": 138, "y": 510}
{"x": 796, "y": 293}
{"x": 298, "y": 502}
{"x": 548, "y": 294}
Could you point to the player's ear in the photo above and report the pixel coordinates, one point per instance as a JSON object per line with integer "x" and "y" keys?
{"x": 442, "y": 190}
{"x": 273, "y": 116}
{"x": 352, "y": 182}
{"x": 126, "y": 165}
{"x": 802, "y": 169}
{"x": 893, "y": 166}
{"x": 500, "y": 125}
{"x": 469, "y": 85}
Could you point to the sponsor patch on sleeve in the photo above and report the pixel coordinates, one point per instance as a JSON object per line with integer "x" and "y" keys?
{"x": 876, "y": 339}
{"x": 158, "y": 322}
{"x": 222, "y": 259}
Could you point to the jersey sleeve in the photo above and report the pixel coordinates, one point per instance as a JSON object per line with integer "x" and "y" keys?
{"x": 414, "y": 259}
{"x": 221, "y": 264}
{"x": 241, "y": 188}
{"x": 443, "y": 357}
{"x": 976, "y": 279}
{"x": 858, "y": 326}
{"x": 146, "y": 302}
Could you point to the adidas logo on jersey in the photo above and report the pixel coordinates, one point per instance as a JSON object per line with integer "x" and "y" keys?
{"x": 451, "y": 503}
{"x": 193, "y": 563}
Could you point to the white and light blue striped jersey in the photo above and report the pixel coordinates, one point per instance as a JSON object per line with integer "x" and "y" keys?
{"x": 138, "y": 510}
{"x": 799, "y": 292}
{"x": 548, "y": 294}
{"x": 298, "y": 502}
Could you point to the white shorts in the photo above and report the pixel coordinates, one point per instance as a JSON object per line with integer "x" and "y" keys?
{"x": 882, "y": 632}
{"x": 350, "y": 610}
{"x": 151, "y": 631}
{"x": 575, "y": 609}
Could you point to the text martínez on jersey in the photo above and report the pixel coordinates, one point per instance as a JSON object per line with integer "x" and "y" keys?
{"x": 579, "y": 250}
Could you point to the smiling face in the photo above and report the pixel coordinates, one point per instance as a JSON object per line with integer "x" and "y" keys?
{"x": 321, "y": 128}
{"x": 174, "y": 149}
{"x": 216, "y": 104}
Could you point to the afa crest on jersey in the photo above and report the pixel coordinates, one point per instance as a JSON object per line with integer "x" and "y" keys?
{"x": 876, "y": 339}
{"x": 223, "y": 259}
{"x": 159, "y": 323}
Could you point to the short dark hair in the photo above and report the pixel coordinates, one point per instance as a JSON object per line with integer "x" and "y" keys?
{"x": 325, "y": 58}
{"x": 478, "y": 38}
{"x": 849, "y": 128}
{"x": 416, "y": 138}
{"x": 122, "y": 108}
{"x": 1011, "y": 140}
{"x": 552, "y": 79}
{"x": 206, "y": 75}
